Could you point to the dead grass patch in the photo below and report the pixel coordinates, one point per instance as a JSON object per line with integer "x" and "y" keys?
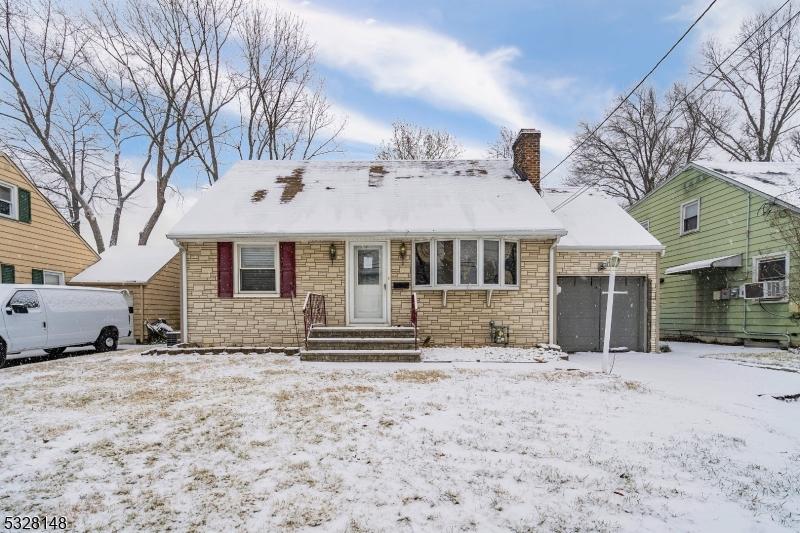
{"x": 420, "y": 376}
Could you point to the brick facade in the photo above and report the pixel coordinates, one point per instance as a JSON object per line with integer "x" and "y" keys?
{"x": 527, "y": 158}
{"x": 584, "y": 263}
{"x": 260, "y": 321}
{"x": 464, "y": 321}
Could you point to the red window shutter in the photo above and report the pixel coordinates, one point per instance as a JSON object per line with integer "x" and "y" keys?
{"x": 225, "y": 269}
{"x": 288, "y": 281}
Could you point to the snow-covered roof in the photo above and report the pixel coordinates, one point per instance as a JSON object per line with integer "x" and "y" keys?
{"x": 726, "y": 261}
{"x": 595, "y": 221}
{"x": 780, "y": 181}
{"x": 342, "y": 198}
{"x": 127, "y": 264}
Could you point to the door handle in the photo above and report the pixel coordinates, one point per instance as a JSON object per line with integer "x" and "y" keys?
{"x": 44, "y": 325}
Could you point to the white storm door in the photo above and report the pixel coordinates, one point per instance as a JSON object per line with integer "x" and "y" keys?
{"x": 369, "y": 283}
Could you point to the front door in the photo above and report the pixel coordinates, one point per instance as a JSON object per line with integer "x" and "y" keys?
{"x": 368, "y": 283}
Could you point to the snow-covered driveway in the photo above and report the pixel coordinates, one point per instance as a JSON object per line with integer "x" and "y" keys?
{"x": 264, "y": 442}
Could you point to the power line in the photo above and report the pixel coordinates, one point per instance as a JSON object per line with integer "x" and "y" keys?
{"x": 639, "y": 84}
{"x": 687, "y": 95}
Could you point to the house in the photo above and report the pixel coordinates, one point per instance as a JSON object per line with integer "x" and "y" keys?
{"x": 151, "y": 274}
{"x": 389, "y": 254}
{"x": 728, "y": 270}
{"x": 37, "y": 244}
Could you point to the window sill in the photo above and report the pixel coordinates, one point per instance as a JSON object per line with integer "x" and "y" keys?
{"x": 466, "y": 288}
{"x": 256, "y": 295}
{"x": 689, "y": 232}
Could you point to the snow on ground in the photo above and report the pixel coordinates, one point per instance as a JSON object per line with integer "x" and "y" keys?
{"x": 264, "y": 442}
{"x": 541, "y": 354}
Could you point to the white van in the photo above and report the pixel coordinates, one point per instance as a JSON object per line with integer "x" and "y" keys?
{"x": 55, "y": 317}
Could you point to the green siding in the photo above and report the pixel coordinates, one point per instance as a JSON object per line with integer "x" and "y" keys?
{"x": 687, "y": 306}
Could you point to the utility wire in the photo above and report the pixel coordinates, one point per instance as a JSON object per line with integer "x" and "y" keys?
{"x": 639, "y": 84}
{"x": 687, "y": 95}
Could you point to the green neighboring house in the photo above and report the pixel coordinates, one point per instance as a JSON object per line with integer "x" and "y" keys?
{"x": 728, "y": 274}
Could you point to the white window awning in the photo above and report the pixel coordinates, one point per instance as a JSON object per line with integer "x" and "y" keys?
{"x": 728, "y": 261}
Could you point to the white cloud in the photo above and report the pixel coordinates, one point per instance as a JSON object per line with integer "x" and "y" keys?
{"x": 419, "y": 63}
{"x": 723, "y": 19}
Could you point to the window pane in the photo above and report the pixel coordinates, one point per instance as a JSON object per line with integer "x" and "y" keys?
{"x": 491, "y": 262}
{"x": 25, "y": 298}
{"x": 469, "y": 262}
{"x": 422, "y": 263}
{"x": 690, "y": 212}
{"x": 444, "y": 262}
{"x": 257, "y": 257}
{"x": 510, "y": 263}
{"x": 5, "y": 208}
{"x": 261, "y": 280}
{"x": 772, "y": 269}
{"x": 52, "y": 278}
{"x": 5, "y": 194}
{"x": 368, "y": 266}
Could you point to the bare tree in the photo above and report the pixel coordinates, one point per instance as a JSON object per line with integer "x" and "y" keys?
{"x": 640, "y": 145}
{"x": 503, "y": 146}
{"x": 147, "y": 42}
{"x": 46, "y": 118}
{"x": 410, "y": 141}
{"x": 284, "y": 112}
{"x": 755, "y": 104}
{"x": 210, "y": 24}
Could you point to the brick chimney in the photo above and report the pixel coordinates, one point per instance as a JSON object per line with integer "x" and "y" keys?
{"x": 526, "y": 156}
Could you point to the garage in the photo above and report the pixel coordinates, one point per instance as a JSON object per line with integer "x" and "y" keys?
{"x": 581, "y": 308}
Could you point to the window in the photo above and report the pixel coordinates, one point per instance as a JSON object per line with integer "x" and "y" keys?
{"x": 491, "y": 262}
{"x": 26, "y": 299}
{"x": 469, "y": 262}
{"x": 8, "y": 194}
{"x": 690, "y": 217}
{"x": 510, "y": 264}
{"x": 771, "y": 268}
{"x": 466, "y": 263}
{"x": 53, "y": 278}
{"x": 257, "y": 268}
{"x": 645, "y": 224}
{"x": 422, "y": 263}
{"x": 444, "y": 262}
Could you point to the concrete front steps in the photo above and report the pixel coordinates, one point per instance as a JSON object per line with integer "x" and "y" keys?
{"x": 360, "y": 344}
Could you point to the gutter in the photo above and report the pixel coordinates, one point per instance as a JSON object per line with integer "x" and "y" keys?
{"x": 551, "y": 326}
{"x": 540, "y": 234}
{"x": 184, "y": 293}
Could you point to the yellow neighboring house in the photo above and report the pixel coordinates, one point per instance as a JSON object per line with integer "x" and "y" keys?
{"x": 37, "y": 244}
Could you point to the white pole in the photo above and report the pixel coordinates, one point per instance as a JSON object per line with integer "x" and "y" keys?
{"x": 612, "y": 278}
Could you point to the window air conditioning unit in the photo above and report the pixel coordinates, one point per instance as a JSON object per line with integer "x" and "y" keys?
{"x": 771, "y": 290}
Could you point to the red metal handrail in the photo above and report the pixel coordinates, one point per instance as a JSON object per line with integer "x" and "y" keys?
{"x": 313, "y": 313}
{"x": 415, "y": 317}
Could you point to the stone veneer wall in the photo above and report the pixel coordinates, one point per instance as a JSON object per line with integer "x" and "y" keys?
{"x": 584, "y": 263}
{"x": 465, "y": 319}
{"x": 259, "y": 321}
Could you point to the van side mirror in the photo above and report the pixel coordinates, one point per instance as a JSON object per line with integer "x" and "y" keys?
{"x": 20, "y": 309}
{"x": 9, "y": 310}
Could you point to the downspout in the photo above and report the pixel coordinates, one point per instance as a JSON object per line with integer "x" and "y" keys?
{"x": 551, "y": 330}
{"x": 184, "y": 294}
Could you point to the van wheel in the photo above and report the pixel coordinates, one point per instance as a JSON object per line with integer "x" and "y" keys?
{"x": 2, "y": 353}
{"x": 107, "y": 341}
{"x": 55, "y": 351}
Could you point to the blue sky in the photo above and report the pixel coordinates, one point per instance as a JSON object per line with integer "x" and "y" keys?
{"x": 473, "y": 66}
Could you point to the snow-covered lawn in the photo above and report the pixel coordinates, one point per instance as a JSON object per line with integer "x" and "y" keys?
{"x": 265, "y": 442}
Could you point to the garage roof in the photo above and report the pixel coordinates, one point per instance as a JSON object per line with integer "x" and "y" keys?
{"x": 127, "y": 264}
{"x": 726, "y": 261}
{"x": 596, "y": 222}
